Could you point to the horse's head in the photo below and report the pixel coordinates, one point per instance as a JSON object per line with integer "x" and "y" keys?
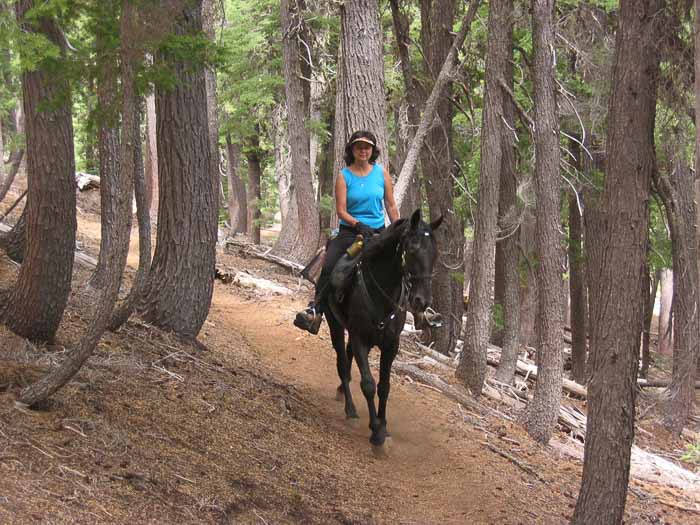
{"x": 419, "y": 254}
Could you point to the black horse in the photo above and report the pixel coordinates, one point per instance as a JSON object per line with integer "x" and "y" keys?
{"x": 394, "y": 272}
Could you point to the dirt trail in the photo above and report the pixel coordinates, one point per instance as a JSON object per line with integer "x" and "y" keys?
{"x": 438, "y": 469}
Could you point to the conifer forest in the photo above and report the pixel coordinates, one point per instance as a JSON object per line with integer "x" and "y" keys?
{"x": 518, "y": 344}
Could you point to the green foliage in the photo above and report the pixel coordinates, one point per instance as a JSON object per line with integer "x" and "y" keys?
{"x": 692, "y": 453}
{"x": 498, "y": 316}
{"x": 250, "y": 73}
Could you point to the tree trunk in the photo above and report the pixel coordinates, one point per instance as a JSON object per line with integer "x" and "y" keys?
{"x": 618, "y": 318}
{"x": 116, "y": 250}
{"x": 472, "y": 366}
{"x": 15, "y": 161}
{"x": 14, "y": 242}
{"x": 677, "y": 194}
{"x": 507, "y": 252}
{"x": 237, "y": 200}
{"x": 431, "y": 105}
{"x": 254, "y": 176}
{"x": 360, "y": 98}
{"x": 415, "y": 95}
{"x": 577, "y": 291}
{"x": 36, "y": 304}
{"x": 325, "y": 181}
{"x": 665, "y": 340}
{"x": 151, "y": 161}
{"x": 15, "y": 158}
{"x": 651, "y": 287}
{"x": 181, "y": 283}
{"x": 283, "y": 168}
{"x": 299, "y": 236}
{"x": 697, "y": 139}
{"x": 593, "y": 230}
{"x": 108, "y": 143}
{"x": 436, "y": 161}
{"x": 543, "y": 410}
{"x": 528, "y": 284}
{"x": 123, "y": 312}
{"x": 209, "y": 22}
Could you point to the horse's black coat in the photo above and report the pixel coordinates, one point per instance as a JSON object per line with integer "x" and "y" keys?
{"x": 396, "y": 267}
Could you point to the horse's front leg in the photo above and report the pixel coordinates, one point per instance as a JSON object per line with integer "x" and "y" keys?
{"x": 342, "y": 365}
{"x": 388, "y": 353}
{"x": 361, "y": 352}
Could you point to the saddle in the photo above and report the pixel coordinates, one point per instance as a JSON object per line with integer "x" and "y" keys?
{"x": 343, "y": 272}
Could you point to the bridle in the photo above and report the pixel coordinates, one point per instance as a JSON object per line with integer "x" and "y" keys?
{"x": 408, "y": 280}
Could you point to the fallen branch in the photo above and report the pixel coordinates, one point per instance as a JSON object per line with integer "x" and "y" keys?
{"x": 525, "y": 468}
{"x": 253, "y": 250}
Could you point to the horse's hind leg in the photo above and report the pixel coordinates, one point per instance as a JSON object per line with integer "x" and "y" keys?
{"x": 361, "y": 353}
{"x": 343, "y": 366}
{"x": 340, "y": 393}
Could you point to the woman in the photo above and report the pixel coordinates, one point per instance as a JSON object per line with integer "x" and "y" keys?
{"x": 363, "y": 190}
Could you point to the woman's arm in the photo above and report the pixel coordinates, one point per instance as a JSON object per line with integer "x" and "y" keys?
{"x": 389, "y": 203}
{"x": 341, "y": 201}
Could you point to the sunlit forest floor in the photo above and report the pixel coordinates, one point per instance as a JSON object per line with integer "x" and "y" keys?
{"x": 155, "y": 431}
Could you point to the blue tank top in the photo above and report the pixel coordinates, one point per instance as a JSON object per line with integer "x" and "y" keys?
{"x": 365, "y": 199}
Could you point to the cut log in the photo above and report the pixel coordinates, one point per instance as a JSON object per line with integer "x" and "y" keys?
{"x": 248, "y": 281}
{"x": 658, "y": 383}
{"x": 85, "y": 181}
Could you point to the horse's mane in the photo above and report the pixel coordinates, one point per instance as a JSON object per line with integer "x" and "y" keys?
{"x": 389, "y": 237}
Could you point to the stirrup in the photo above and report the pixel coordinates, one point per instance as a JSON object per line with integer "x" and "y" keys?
{"x": 432, "y": 317}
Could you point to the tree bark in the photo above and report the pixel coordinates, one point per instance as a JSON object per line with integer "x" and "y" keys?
{"x": 360, "y": 98}
{"x": 507, "y": 252}
{"x": 126, "y": 308}
{"x": 116, "y": 250}
{"x": 254, "y": 176}
{"x": 472, "y": 366}
{"x": 209, "y": 23}
{"x": 237, "y": 200}
{"x": 436, "y": 161}
{"x": 431, "y": 105}
{"x": 577, "y": 291}
{"x": 665, "y": 340}
{"x": 108, "y": 140}
{"x": 618, "y": 318}
{"x": 415, "y": 95}
{"x": 543, "y": 410}
{"x": 283, "y": 168}
{"x": 529, "y": 284}
{"x": 15, "y": 161}
{"x": 677, "y": 195}
{"x": 14, "y": 242}
{"x": 15, "y": 126}
{"x": 179, "y": 291}
{"x": 651, "y": 287}
{"x": 36, "y": 304}
{"x": 151, "y": 161}
{"x": 299, "y": 236}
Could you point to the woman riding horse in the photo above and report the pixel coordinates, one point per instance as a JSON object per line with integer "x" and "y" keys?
{"x": 363, "y": 190}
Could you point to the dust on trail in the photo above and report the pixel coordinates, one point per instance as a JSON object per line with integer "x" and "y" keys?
{"x": 437, "y": 467}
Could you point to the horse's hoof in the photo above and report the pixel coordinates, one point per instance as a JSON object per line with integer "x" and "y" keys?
{"x": 339, "y": 396}
{"x": 353, "y": 421}
{"x": 381, "y": 451}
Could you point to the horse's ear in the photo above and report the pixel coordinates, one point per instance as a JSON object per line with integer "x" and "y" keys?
{"x": 415, "y": 219}
{"x": 436, "y": 223}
